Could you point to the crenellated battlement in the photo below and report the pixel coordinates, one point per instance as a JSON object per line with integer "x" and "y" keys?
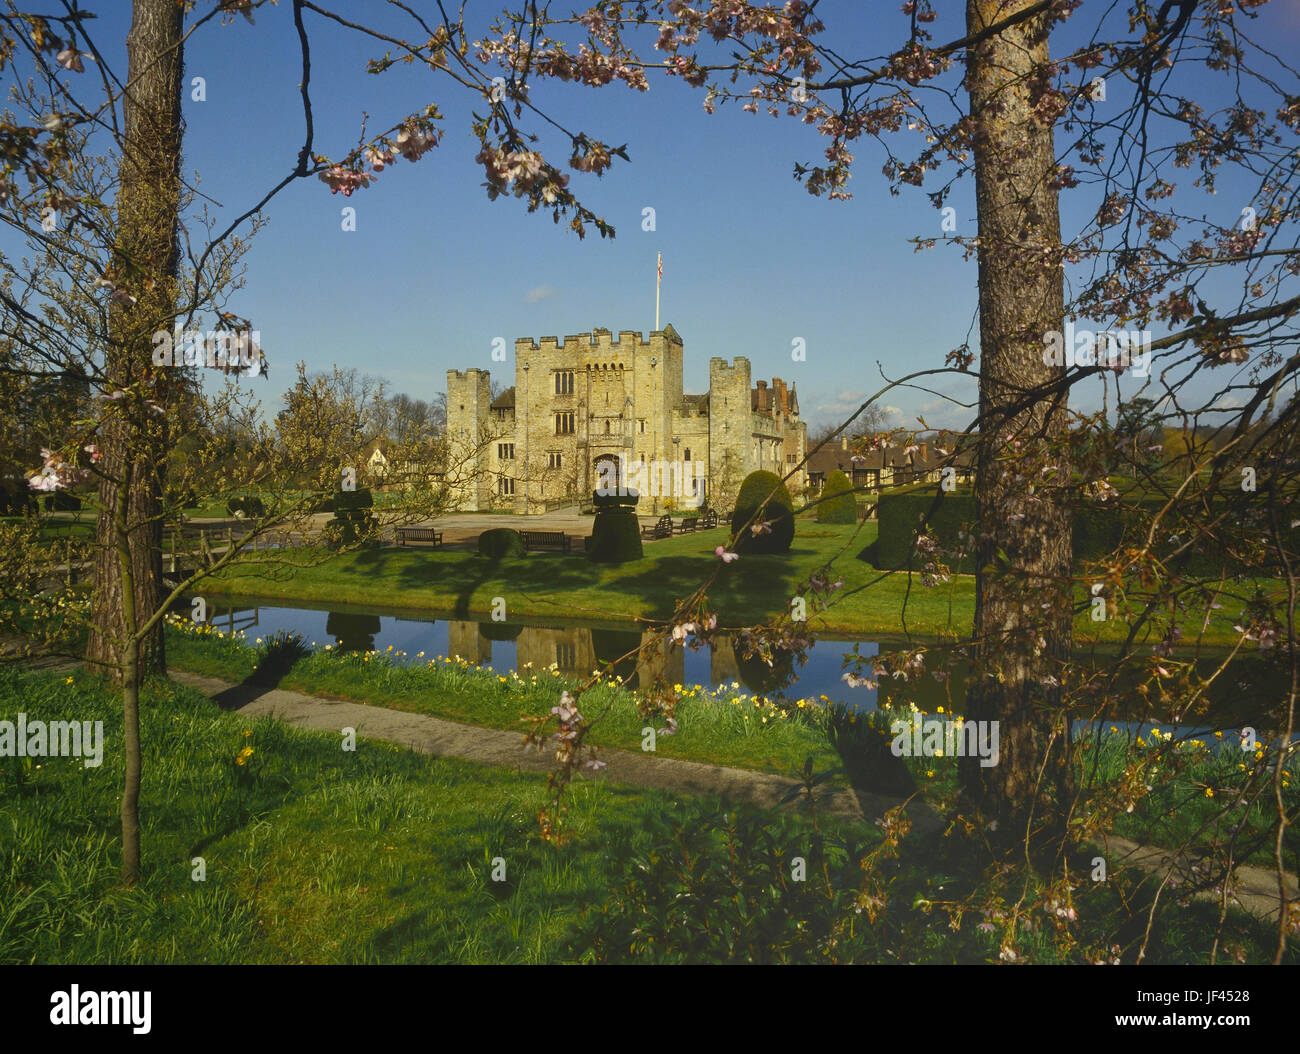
{"x": 582, "y": 397}
{"x": 599, "y": 341}
{"x": 464, "y": 376}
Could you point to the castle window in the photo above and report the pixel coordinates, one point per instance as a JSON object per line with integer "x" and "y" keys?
{"x": 566, "y": 655}
{"x": 607, "y": 426}
{"x": 552, "y": 460}
{"x": 791, "y": 459}
{"x": 642, "y": 423}
{"x": 506, "y": 487}
{"x": 564, "y": 424}
{"x": 564, "y": 382}
{"x": 688, "y": 454}
{"x": 506, "y": 451}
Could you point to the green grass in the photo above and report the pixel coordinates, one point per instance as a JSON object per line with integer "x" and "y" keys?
{"x": 728, "y": 727}
{"x": 721, "y": 727}
{"x": 754, "y": 587}
{"x": 312, "y": 854}
{"x": 317, "y": 855}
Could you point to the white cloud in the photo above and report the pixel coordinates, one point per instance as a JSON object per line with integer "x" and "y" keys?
{"x": 537, "y": 293}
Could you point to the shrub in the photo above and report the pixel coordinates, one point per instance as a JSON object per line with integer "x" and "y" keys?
{"x": 900, "y": 512}
{"x": 353, "y": 521}
{"x": 500, "y": 542}
{"x": 615, "y": 501}
{"x": 62, "y": 501}
{"x": 1098, "y": 528}
{"x": 716, "y": 887}
{"x": 837, "y": 504}
{"x": 615, "y": 537}
{"x": 756, "y": 495}
{"x": 16, "y": 497}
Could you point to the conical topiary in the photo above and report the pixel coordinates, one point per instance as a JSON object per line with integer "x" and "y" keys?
{"x": 836, "y": 503}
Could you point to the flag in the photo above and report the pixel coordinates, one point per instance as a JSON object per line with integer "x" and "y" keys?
{"x": 661, "y": 267}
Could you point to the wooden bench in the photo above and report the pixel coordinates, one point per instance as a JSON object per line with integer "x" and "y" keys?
{"x": 708, "y": 520}
{"x": 546, "y": 540}
{"x": 409, "y": 535}
{"x": 687, "y": 526}
{"x": 662, "y": 529}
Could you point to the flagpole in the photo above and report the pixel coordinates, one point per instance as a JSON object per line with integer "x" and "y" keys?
{"x": 659, "y": 277}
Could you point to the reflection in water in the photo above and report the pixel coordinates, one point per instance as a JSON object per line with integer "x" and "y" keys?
{"x": 757, "y": 675}
{"x": 617, "y": 646}
{"x": 1248, "y": 693}
{"x": 352, "y": 632}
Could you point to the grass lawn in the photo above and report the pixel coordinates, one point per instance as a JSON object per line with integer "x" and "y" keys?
{"x": 463, "y": 584}
{"x": 314, "y": 854}
{"x": 1190, "y": 785}
{"x": 723, "y": 727}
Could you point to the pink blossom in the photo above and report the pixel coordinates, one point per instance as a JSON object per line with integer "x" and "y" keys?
{"x": 344, "y": 179}
{"x": 721, "y": 553}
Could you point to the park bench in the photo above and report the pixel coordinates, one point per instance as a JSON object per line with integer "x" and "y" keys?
{"x": 687, "y": 526}
{"x": 662, "y": 529}
{"x": 708, "y": 520}
{"x": 546, "y": 540}
{"x": 409, "y": 535}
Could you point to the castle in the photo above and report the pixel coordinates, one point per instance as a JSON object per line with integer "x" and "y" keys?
{"x": 594, "y": 411}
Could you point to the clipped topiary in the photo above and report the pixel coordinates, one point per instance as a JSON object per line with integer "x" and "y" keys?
{"x": 837, "y": 504}
{"x": 615, "y": 537}
{"x": 775, "y": 509}
{"x": 501, "y": 542}
{"x": 353, "y": 521}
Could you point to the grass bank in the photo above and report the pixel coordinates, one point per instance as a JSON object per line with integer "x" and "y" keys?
{"x": 313, "y": 854}
{"x": 1154, "y": 787}
{"x": 755, "y": 587}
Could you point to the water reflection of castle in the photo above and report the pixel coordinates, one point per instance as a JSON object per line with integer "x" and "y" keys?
{"x": 640, "y": 657}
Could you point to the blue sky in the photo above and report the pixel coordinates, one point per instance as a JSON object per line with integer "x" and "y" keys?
{"x": 434, "y": 271}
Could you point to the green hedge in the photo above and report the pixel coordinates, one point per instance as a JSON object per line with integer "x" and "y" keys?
{"x": 900, "y": 511}
{"x": 353, "y": 519}
{"x": 500, "y": 542}
{"x": 615, "y": 537}
{"x": 778, "y": 509}
{"x": 837, "y": 503}
{"x": 1099, "y": 528}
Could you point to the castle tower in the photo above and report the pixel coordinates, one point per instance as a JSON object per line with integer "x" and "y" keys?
{"x": 730, "y": 445}
{"x": 468, "y": 399}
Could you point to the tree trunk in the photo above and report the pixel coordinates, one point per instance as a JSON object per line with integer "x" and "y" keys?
{"x": 132, "y": 439}
{"x": 128, "y": 585}
{"x": 1022, "y": 604}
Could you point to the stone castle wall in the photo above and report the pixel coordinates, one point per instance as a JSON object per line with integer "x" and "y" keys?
{"x": 618, "y": 398}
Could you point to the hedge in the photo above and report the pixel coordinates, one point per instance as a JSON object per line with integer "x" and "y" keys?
{"x": 615, "y": 537}
{"x": 500, "y": 542}
{"x": 1099, "y": 528}
{"x": 777, "y": 509}
{"x": 837, "y": 503}
{"x": 353, "y": 519}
